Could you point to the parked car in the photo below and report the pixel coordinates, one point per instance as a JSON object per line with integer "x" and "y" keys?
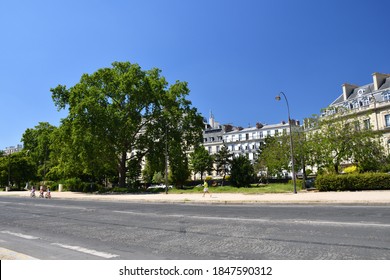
{"x": 158, "y": 187}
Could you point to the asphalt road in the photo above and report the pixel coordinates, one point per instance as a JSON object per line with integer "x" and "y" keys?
{"x": 81, "y": 229}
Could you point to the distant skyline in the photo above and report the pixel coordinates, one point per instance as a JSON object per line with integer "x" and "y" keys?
{"x": 236, "y": 55}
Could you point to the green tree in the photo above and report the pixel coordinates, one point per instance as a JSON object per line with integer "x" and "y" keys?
{"x": 223, "y": 161}
{"x": 179, "y": 167}
{"x": 37, "y": 143}
{"x": 274, "y": 155}
{"x": 339, "y": 139}
{"x": 117, "y": 115}
{"x": 17, "y": 169}
{"x": 201, "y": 161}
{"x": 158, "y": 178}
{"x": 242, "y": 172}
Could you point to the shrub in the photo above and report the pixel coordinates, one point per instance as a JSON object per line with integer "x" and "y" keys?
{"x": 73, "y": 185}
{"x": 353, "y": 182}
{"x": 158, "y": 178}
{"x": 351, "y": 169}
{"x": 242, "y": 172}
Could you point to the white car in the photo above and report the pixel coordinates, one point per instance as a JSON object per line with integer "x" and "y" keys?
{"x": 158, "y": 187}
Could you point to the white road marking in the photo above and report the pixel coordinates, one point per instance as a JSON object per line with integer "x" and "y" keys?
{"x": 86, "y": 251}
{"x": 43, "y": 205}
{"x": 21, "y": 235}
{"x": 284, "y": 221}
{"x": 63, "y": 207}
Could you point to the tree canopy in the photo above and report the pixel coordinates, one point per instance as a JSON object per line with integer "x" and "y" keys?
{"x": 339, "y": 139}
{"x": 117, "y": 116}
{"x": 37, "y": 143}
{"x": 223, "y": 160}
{"x": 201, "y": 161}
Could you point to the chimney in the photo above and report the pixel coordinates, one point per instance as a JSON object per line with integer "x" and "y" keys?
{"x": 211, "y": 120}
{"x": 379, "y": 79}
{"x": 347, "y": 90}
{"x": 228, "y": 127}
{"x": 259, "y": 125}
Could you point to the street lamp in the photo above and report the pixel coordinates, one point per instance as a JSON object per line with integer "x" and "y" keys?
{"x": 278, "y": 98}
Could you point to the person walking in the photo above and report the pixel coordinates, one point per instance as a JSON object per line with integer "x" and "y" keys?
{"x": 47, "y": 194}
{"x": 206, "y": 188}
{"x": 32, "y": 193}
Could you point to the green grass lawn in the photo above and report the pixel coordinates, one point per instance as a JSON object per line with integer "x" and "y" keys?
{"x": 270, "y": 188}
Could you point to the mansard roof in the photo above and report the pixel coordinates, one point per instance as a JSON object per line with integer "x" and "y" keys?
{"x": 364, "y": 91}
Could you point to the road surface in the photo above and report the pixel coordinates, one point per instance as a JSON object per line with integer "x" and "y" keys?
{"x": 86, "y": 229}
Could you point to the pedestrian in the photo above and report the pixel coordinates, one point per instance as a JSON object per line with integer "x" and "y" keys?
{"x": 48, "y": 194}
{"x": 32, "y": 194}
{"x": 206, "y": 188}
{"x": 41, "y": 191}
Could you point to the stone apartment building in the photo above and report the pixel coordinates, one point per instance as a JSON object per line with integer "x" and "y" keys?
{"x": 13, "y": 149}
{"x": 369, "y": 103}
{"x": 239, "y": 140}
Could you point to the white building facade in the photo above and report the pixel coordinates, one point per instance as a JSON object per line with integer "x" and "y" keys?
{"x": 13, "y": 149}
{"x": 241, "y": 141}
{"x": 370, "y": 104}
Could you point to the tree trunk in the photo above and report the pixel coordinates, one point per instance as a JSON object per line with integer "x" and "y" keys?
{"x": 336, "y": 168}
{"x": 122, "y": 170}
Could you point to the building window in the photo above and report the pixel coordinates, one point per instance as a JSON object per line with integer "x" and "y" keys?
{"x": 387, "y": 120}
{"x": 261, "y": 144}
{"x": 365, "y": 102}
{"x": 386, "y": 96}
{"x": 354, "y": 105}
{"x": 367, "y": 124}
{"x": 357, "y": 126}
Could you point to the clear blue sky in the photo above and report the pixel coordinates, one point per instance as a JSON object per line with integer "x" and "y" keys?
{"x": 236, "y": 55}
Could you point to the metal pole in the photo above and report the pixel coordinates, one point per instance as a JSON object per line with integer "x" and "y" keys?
{"x": 166, "y": 159}
{"x": 291, "y": 143}
{"x": 9, "y": 170}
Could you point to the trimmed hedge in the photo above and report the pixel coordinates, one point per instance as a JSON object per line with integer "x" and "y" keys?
{"x": 353, "y": 182}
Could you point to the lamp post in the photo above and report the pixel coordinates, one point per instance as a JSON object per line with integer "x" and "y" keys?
{"x": 166, "y": 159}
{"x": 278, "y": 98}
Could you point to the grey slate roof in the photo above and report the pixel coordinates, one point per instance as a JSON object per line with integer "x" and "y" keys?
{"x": 362, "y": 91}
{"x": 386, "y": 84}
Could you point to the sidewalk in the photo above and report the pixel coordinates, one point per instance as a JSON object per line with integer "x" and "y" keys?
{"x": 304, "y": 197}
